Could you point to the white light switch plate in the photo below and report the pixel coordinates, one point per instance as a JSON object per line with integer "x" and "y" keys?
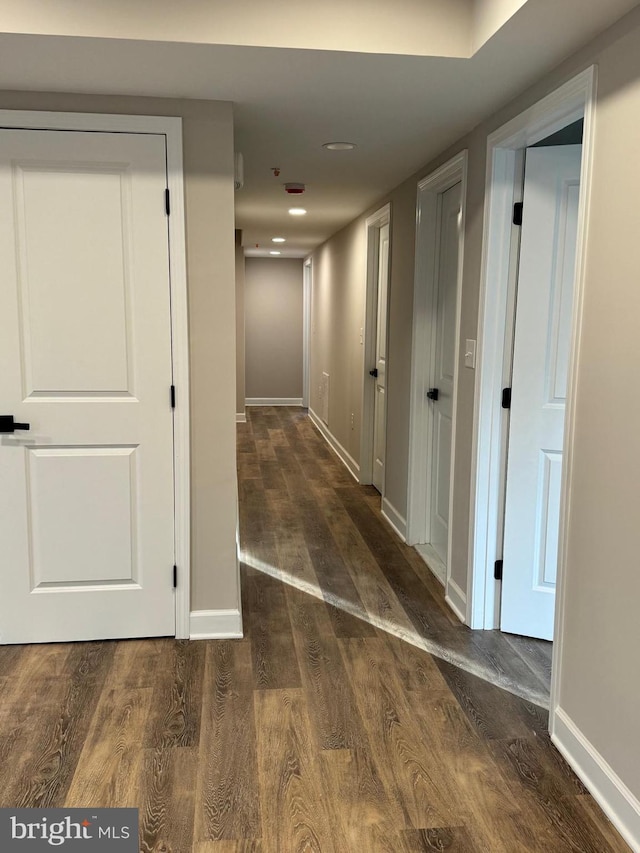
{"x": 470, "y": 353}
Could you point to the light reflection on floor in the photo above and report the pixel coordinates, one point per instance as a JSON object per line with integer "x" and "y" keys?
{"x": 409, "y": 636}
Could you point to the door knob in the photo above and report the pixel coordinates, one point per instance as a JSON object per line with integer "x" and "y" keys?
{"x": 432, "y": 393}
{"x": 7, "y": 424}
{"x": 374, "y": 372}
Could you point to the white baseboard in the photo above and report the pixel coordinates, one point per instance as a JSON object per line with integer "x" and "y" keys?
{"x": 608, "y": 790}
{"x": 241, "y": 418}
{"x": 393, "y": 517}
{"x": 348, "y": 461}
{"x": 215, "y": 625}
{"x": 433, "y": 562}
{"x": 273, "y": 401}
{"x": 456, "y": 599}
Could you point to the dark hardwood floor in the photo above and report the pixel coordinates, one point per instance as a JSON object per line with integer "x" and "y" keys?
{"x": 356, "y": 716}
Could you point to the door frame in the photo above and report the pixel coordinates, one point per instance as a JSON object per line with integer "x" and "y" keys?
{"x": 573, "y": 100}
{"x": 423, "y": 356}
{"x": 171, "y": 128}
{"x": 373, "y": 224}
{"x": 307, "y": 295}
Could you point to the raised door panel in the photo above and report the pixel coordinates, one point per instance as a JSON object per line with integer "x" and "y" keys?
{"x": 74, "y": 277}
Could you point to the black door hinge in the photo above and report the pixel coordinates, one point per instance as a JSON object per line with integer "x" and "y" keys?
{"x": 517, "y": 213}
{"x": 497, "y": 570}
{"x": 173, "y": 396}
{"x": 175, "y": 577}
{"x": 167, "y": 202}
{"x": 506, "y": 398}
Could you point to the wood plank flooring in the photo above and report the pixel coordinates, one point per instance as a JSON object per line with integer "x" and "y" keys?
{"x": 330, "y": 727}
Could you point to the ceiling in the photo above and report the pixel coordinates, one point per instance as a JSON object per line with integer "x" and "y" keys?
{"x": 400, "y": 109}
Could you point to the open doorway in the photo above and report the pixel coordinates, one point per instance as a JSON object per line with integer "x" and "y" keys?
{"x": 535, "y": 323}
{"x": 535, "y": 399}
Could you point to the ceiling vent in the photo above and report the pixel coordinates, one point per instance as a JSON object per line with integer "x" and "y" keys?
{"x": 294, "y": 189}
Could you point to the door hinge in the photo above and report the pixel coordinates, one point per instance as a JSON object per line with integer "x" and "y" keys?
{"x": 506, "y": 398}
{"x": 517, "y": 213}
{"x": 173, "y": 396}
{"x": 167, "y": 202}
{"x": 175, "y": 577}
{"x": 497, "y": 570}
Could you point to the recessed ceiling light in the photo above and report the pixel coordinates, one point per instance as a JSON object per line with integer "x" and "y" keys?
{"x": 278, "y": 240}
{"x": 297, "y": 211}
{"x": 339, "y": 146}
{"x": 275, "y": 253}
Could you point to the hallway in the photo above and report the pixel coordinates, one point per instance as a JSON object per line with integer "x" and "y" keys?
{"x": 379, "y": 745}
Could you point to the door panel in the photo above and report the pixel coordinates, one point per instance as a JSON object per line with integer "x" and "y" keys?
{"x": 61, "y": 350}
{"x": 71, "y": 540}
{"x": 540, "y": 368}
{"x": 380, "y": 405}
{"x": 443, "y": 379}
{"x": 87, "y": 513}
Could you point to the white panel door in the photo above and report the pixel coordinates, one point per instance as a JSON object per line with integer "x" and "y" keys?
{"x": 443, "y": 378}
{"x": 380, "y": 405}
{"x": 539, "y": 388}
{"x": 86, "y": 505}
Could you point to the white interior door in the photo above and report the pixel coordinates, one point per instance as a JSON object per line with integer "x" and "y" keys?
{"x": 539, "y": 388}
{"x": 444, "y": 367}
{"x": 86, "y": 505}
{"x": 380, "y": 404}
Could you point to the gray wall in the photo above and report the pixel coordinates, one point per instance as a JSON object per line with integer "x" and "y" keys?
{"x": 273, "y": 328}
{"x": 598, "y": 657}
{"x": 240, "y": 395}
{"x": 208, "y": 170}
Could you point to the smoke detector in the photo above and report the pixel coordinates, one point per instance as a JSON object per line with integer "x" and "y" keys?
{"x": 294, "y": 189}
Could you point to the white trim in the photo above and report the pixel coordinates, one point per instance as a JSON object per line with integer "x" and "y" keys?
{"x": 307, "y": 297}
{"x": 394, "y": 519}
{"x": 241, "y": 417}
{"x": 345, "y": 457}
{"x": 433, "y": 562}
{"x": 373, "y": 224}
{"x": 456, "y": 599}
{"x": 423, "y": 357}
{"x": 608, "y": 790}
{"x": 171, "y": 128}
{"x": 568, "y": 103}
{"x": 215, "y": 625}
{"x": 180, "y": 352}
{"x": 273, "y": 401}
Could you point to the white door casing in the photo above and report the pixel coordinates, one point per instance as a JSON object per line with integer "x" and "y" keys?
{"x": 539, "y": 388}
{"x": 86, "y": 335}
{"x": 573, "y": 100}
{"x": 447, "y": 266}
{"x": 380, "y": 399}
